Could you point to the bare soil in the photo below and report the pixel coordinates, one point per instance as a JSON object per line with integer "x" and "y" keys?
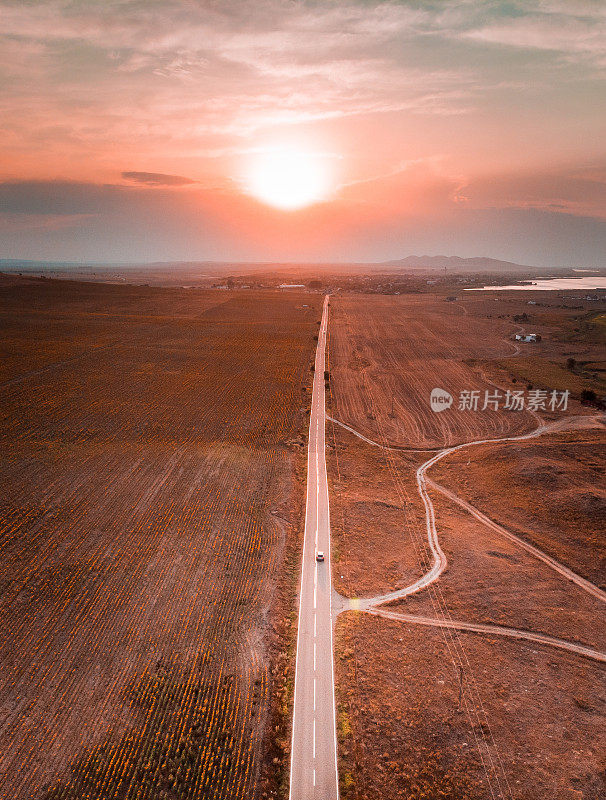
{"x": 374, "y": 518}
{"x": 530, "y": 725}
{"x": 151, "y": 490}
{"x": 555, "y": 494}
{"x": 491, "y": 580}
{"x": 401, "y": 732}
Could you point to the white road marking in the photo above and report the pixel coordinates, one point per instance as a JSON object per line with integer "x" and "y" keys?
{"x": 314, "y": 706}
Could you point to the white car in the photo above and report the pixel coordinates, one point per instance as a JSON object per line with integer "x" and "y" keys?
{"x": 319, "y": 556}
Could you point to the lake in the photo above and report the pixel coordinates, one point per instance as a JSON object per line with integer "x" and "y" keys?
{"x": 550, "y": 284}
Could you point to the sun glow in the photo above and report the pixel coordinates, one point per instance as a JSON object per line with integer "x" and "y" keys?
{"x": 289, "y": 179}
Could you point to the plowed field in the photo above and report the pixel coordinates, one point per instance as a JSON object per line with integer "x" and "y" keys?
{"x": 490, "y": 684}
{"x": 149, "y": 491}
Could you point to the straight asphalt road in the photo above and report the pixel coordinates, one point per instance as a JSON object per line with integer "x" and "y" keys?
{"x": 313, "y": 763}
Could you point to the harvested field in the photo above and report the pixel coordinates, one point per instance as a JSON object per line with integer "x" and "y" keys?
{"x": 524, "y": 730}
{"x": 385, "y": 349}
{"x": 555, "y": 498}
{"x": 150, "y": 493}
{"x": 538, "y": 728}
{"x": 491, "y": 580}
{"x": 401, "y": 348}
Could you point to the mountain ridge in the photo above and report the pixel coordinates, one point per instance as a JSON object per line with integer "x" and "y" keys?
{"x": 456, "y": 262}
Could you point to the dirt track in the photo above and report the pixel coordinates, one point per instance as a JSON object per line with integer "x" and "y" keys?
{"x": 461, "y": 587}
{"x": 404, "y": 732}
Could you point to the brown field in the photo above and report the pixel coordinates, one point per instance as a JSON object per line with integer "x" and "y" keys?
{"x": 528, "y": 727}
{"x": 491, "y": 580}
{"x": 571, "y": 327}
{"x": 373, "y": 521}
{"x": 152, "y": 473}
{"x": 565, "y": 518}
{"x": 399, "y": 347}
{"x": 151, "y": 493}
{"x": 385, "y": 348}
{"x": 530, "y": 724}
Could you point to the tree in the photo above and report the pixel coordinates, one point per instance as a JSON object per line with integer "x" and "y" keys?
{"x": 588, "y": 397}
{"x": 571, "y": 363}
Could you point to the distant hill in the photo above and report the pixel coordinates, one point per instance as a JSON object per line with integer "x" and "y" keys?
{"x": 478, "y": 264}
{"x": 449, "y": 263}
{"x": 25, "y": 264}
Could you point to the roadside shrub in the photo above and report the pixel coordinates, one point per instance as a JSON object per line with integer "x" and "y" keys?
{"x": 588, "y": 397}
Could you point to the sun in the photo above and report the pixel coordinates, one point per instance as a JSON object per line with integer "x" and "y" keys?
{"x": 289, "y": 179}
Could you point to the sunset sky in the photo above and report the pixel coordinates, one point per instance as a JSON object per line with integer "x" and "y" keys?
{"x": 147, "y": 130}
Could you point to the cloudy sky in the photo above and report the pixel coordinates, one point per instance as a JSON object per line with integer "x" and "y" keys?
{"x": 135, "y": 130}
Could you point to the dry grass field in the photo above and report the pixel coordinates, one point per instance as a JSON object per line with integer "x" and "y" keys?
{"x": 150, "y": 493}
{"x": 386, "y": 355}
{"x": 532, "y": 728}
{"x": 527, "y": 725}
{"x": 566, "y": 518}
{"x": 571, "y": 327}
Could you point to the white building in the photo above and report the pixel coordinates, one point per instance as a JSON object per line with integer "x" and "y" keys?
{"x": 527, "y": 337}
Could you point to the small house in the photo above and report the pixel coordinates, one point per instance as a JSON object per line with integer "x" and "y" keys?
{"x": 527, "y": 337}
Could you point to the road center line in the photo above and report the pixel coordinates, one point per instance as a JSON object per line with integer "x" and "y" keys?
{"x": 314, "y": 699}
